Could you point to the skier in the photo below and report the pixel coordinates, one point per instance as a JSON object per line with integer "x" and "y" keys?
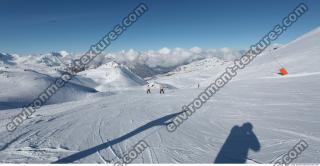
{"x": 148, "y": 89}
{"x": 161, "y": 89}
{"x": 198, "y": 85}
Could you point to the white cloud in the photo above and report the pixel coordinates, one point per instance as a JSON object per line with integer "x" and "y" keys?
{"x": 64, "y": 53}
{"x": 169, "y": 58}
{"x": 164, "y": 50}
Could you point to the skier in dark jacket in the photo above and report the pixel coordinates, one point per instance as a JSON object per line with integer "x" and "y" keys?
{"x": 148, "y": 89}
{"x": 161, "y": 89}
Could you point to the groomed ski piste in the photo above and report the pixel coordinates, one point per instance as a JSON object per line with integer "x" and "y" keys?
{"x": 99, "y": 117}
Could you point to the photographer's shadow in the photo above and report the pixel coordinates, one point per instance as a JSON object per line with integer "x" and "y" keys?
{"x": 237, "y": 145}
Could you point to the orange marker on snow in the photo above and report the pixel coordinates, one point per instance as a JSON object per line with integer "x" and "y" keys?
{"x": 283, "y": 71}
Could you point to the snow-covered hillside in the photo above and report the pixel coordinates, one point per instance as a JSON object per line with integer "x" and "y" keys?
{"x": 102, "y": 127}
{"x": 200, "y": 72}
{"x": 113, "y": 76}
{"x": 300, "y": 56}
{"x": 19, "y": 87}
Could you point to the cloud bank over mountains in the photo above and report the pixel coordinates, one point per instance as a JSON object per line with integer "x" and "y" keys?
{"x": 148, "y": 62}
{"x": 169, "y": 58}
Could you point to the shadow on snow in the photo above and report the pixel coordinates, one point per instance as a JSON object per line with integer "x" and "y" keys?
{"x": 236, "y": 147}
{"x": 79, "y": 155}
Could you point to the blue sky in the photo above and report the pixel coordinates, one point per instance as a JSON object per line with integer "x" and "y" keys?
{"x": 42, "y": 26}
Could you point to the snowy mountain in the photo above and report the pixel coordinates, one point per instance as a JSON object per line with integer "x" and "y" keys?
{"x": 258, "y": 117}
{"x": 198, "y": 72}
{"x": 7, "y": 59}
{"x": 113, "y": 76}
{"x": 19, "y": 87}
{"x": 53, "y": 60}
{"x": 144, "y": 64}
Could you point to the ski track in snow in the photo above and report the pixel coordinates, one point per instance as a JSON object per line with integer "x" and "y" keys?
{"x": 102, "y": 127}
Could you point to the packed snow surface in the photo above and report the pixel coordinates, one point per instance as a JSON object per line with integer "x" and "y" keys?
{"x": 100, "y": 127}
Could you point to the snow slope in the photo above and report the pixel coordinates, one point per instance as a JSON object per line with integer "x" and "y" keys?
{"x": 112, "y": 76}
{"x": 201, "y": 72}
{"x": 21, "y": 83}
{"x": 299, "y": 56}
{"x": 19, "y": 87}
{"x": 282, "y": 111}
